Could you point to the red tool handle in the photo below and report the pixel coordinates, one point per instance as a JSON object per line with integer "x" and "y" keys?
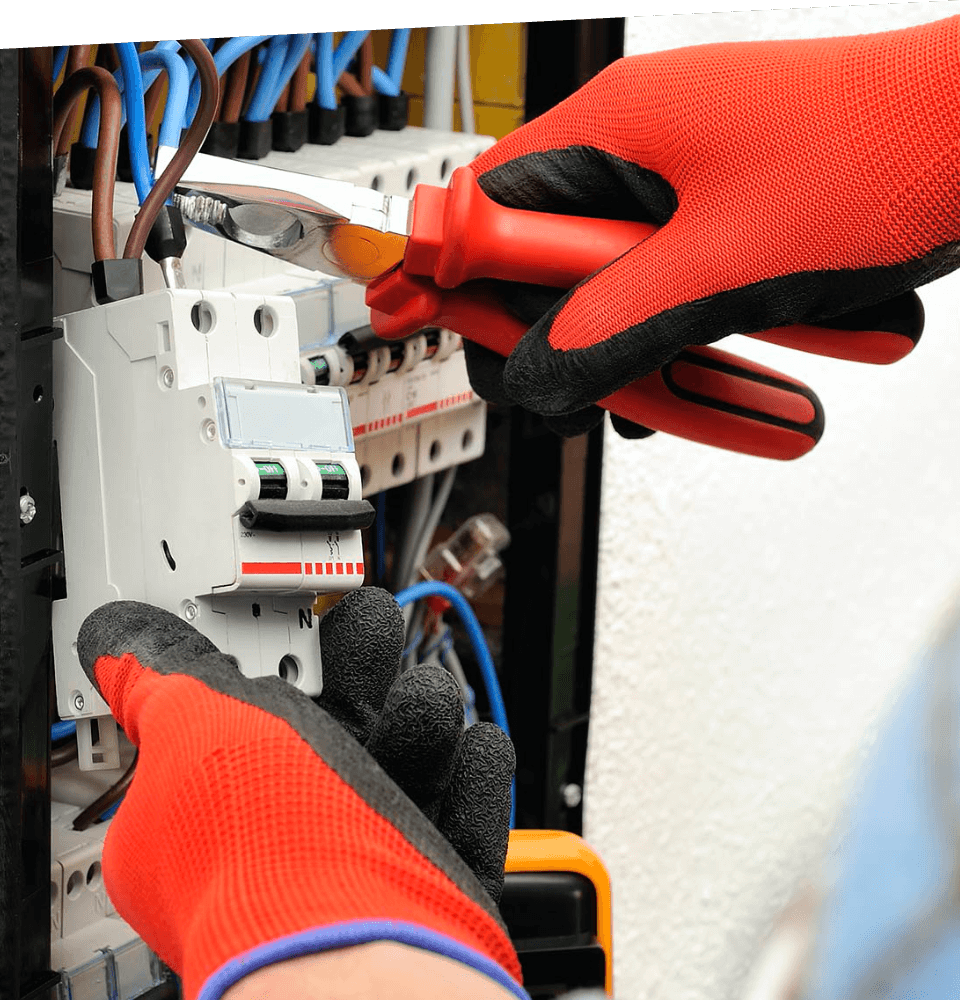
{"x": 458, "y": 234}
{"x": 703, "y": 395}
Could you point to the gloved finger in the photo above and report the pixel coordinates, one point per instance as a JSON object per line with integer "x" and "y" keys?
{"x": 416, "y": 738}
{"x": 361, "y": 640}
{"x": 638, "y": 312}
{"x": 628, "y": 429}
{"x": 485, "y": 372}
{"x": 475, "y": 811}
{"x": 574, "y": 424}
{"x": 877, "y": 334}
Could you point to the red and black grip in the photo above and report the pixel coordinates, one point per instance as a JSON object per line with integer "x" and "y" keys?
{"x": 458, "y": 234}
{"x": 704, "y": 394}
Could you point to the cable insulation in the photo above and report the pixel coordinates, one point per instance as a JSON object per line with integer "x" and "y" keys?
{"x": 105, "y": 162}
{"x": 168, "y": 180}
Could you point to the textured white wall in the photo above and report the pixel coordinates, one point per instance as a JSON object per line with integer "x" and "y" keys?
{"x": 755, "y": 618}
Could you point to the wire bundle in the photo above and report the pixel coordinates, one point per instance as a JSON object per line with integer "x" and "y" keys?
{"x": 119, "y": 105}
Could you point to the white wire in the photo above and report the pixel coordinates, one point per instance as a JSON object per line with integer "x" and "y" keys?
{"x": 430, "y": 525}
{"x": 464, "y": 81}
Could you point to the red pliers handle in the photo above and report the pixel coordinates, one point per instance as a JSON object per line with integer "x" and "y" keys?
{"x": 458, "y": 235}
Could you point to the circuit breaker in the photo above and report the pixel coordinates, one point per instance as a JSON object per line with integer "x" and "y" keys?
{"x": 203, "y": 477}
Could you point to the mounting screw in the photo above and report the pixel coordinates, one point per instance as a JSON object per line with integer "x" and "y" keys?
{"x": 190, "y": 611}
{"x": 78, "y": 702}
{"x": 572, "y": 795}
{"x": 166, "y": 376}
{"x": 208, "y": 430}
{"x": 28, "y": 508}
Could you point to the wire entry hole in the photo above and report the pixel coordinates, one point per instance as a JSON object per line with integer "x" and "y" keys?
{"x": 203, "y": 317}
{"x": 467, "y": 440}
{"x": 265, "y": 320}
{"x": 289, "y": 669}
{"x": 397, "y": 465}
{"x": 74, "y": 884}
{"x": 435, "y": 449}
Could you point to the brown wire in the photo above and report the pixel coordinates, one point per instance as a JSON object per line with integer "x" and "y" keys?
{"x": 193, "y": 140}
{"x": 100, "y": 805}
{"x": 283, "y": 102}
{"x": 361, "y": 83}
{"x": 108, "y": 142}
{"x": 236, "y": 89}
{"x": 78, "y": 58}
{"x": 60, "y": 755}
{"x": 365, "y": 64}
{"x": 298, "y": 85}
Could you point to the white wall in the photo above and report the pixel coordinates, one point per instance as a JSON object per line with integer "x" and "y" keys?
{"x": 755, "y": 618}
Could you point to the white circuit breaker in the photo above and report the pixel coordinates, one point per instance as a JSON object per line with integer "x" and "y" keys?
{"x": 200, "y": 475}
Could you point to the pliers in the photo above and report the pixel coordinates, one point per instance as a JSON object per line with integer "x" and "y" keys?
{"x": 429, "y": 260}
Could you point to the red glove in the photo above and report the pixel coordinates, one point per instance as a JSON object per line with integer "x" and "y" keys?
{"x": 257, "y": 830}
{"x": 794, "y": 182}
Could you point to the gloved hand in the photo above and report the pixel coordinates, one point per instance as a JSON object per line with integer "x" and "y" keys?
{"x": 257, "y": 829}
{"x": 795, "y": 182}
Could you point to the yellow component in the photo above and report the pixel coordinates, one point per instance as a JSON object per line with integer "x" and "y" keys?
{"x": 561, "y": 851}
{"x": 363, "y": 253}
{"x": 498, "y": 60}
{"x": 324, "y": 603}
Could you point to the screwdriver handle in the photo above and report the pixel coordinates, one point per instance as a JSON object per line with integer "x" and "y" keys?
{"x": 704, "y": 394}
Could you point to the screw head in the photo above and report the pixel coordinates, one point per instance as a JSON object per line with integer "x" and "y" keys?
{"x": 208, "y": 430}
{"x": 78, "y": 702}
{"x": 166, "y": 377}
{"x": 572, "y": 795}
{"x": 190, "y": 611}
{"x": 28, "y": 508}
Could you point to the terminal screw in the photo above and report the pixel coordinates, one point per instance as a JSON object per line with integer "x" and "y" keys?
{"x": 28, "y": 508}
{"x": 208, "y": 430}
{"x": 78, "y": 702}
{"x": 166, "y": 376}
{"x": 190, "y": 611}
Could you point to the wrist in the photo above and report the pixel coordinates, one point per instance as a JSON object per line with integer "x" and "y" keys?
{"x": 373, "y": 970}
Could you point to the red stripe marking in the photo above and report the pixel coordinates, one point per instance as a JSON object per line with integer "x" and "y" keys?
{"x": 308, "y": 568}
{"x": 339, "y": 567}
{"x": 360, "y": 568}
{"x": 330, "y": 569}
{"x": 349, "y": 568}
{"x": 265, "y": 568}
{"x": 359, "y": 429}
{"x": 320, "y": 568}
{"x": 418, "y": 410}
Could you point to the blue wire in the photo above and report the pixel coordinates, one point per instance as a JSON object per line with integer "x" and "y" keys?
{"x": 59, "y": 58}
{"x": 326, "y": 95}
{"x": 399, "y": 42}
{"x": 262, "y": 103}
{"x": 434, "y": 588}
{"x": 136, "y": 118}
{"x": 60, "y": 729}
{"x": 112, "y": 809}
{"x": 296, "y": 50}
{"x": 346, "y": 50}
{"x": 178, "y": 90}
{"x": 223, "y": 59}
{"x": 417, "y": 639}
{"x": 389, "y": 82}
